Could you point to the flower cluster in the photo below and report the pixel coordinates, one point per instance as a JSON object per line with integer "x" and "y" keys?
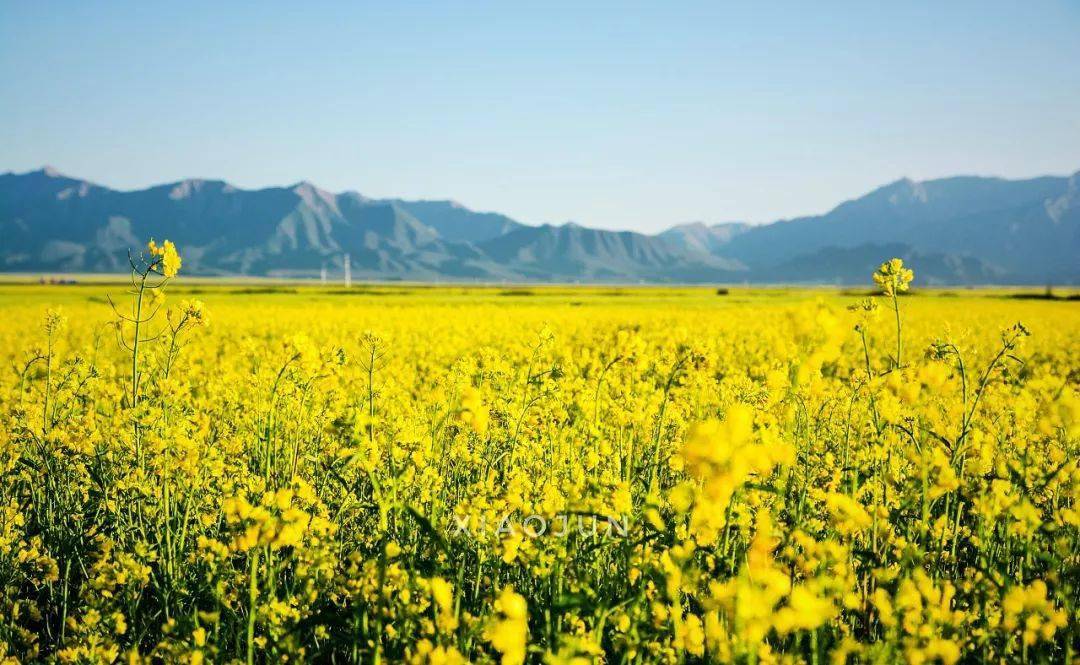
{"x": 166, "y": 256}
{"x": 893, "y": 277}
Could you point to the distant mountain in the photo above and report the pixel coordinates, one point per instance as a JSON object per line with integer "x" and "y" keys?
{"x": 51, "y": 222}
{"x": 851, "y": 265}
{"x": 960, "y": 230}
{"x": 571, "y": 252}
{"x": 1023, "y": 230}
{"x": 455, "y": 222}
{"x": 702, "y": 238}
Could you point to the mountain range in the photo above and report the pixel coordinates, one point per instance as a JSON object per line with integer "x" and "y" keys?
{"x": 960, "y": 230}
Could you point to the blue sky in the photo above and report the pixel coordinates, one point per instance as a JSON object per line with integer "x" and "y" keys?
{"x": 619, "y": 115}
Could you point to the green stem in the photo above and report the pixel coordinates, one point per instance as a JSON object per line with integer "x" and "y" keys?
{"x": 899, "y": 342}
{"x": 135, "y": 370}
{"x": 253, "y": 593}
{"x": 48, "y": 388}
{"x": 135, "y": 345}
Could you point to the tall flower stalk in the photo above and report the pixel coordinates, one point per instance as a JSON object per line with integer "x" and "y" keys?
{"x": 150, "y": 272}
{"x": 894, "y": 279}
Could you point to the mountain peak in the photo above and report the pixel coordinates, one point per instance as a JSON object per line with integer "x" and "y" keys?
{"x": 191, "y": 186}
{"x": 313, "y": 196}
{"x": 899, "y": 185}
{"x": 306, "y": 189}
{"x": 897, "y": 192}
{"x": 46, "y": 171}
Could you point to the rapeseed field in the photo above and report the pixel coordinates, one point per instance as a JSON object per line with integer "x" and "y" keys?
{"x": 197, "y": 472}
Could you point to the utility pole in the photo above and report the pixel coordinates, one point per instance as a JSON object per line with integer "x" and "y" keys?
{"x": 322, "y": 274}
{"x": 348, "y": 272}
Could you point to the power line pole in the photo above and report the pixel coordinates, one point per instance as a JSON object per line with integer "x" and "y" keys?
{"x": 348, "y": 272}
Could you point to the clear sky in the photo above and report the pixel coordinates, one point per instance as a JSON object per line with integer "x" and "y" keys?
{"x": 620, "y": 115}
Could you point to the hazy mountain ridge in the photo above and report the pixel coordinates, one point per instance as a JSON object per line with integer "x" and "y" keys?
{"x": 572, "y": 252}
{"x": 698, "y": 237}
{"x": 958, "y": 230}
{"x": 453, "y": 220}
{"x": 1006, "y": 225}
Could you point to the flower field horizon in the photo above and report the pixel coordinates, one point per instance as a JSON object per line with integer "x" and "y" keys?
{"x": 199, "y": 472}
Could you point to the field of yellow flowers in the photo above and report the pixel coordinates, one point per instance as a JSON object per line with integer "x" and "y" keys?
{"x": 198, "y": 472}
